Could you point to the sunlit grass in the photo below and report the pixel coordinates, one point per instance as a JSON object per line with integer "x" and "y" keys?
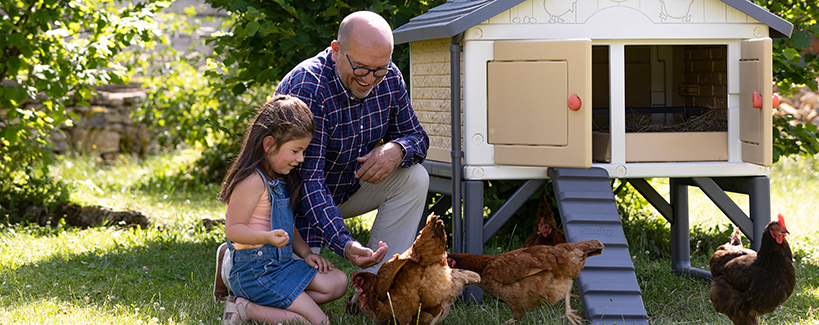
{"x": 146, "y": 186}
{"x": 105, "y": 275}
{"x": 163, "y": 275}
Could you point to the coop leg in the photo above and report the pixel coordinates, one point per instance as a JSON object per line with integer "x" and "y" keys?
{"x": 759, "y": 198}
{"x": 680, "y": 240}
{"x": 473, "y": 229}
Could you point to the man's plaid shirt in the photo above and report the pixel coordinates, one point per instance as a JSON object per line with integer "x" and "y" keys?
{"x": 346, "y": 128}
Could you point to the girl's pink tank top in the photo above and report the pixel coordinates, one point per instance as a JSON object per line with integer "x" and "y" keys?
{"x": 259, "y": 219}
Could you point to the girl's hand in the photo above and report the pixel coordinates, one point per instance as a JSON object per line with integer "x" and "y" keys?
{"x": 317, "y": 261}
{"x": 278, "y": 237}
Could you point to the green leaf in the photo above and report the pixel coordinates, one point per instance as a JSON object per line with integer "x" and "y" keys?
{"x": 17, "y": 40}
{"x": 238, "y": 89}
{"x": 790, "y": 54}
{"x": 252, "y": 27}
{"x": 330, "y": 12}
{"x": 800, "y": 39}
{"x": 239, "y": 6}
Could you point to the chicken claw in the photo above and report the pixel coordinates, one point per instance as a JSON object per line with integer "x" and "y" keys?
{"x": 570, "y": 313}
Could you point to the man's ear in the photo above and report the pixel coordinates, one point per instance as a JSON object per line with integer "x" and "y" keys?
{"x": 336, "y": 47}
{"x": 268, "y": 144}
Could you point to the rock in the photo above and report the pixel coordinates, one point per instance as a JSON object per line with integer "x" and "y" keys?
{"x": 90, "y": 216}
{"x": 209, "y": 223}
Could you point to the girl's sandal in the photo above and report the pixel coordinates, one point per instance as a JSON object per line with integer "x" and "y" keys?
{"x": 235, "y": 312}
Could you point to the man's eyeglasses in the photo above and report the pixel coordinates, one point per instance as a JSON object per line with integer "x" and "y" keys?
{"x": 363, "y": 72}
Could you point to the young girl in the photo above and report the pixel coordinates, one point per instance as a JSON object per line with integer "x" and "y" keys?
{"x": 269, "y": 285}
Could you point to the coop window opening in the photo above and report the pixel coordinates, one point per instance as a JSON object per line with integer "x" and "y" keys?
{"x": 668, "y": 88}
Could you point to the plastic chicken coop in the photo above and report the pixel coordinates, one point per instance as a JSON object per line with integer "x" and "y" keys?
{"x": 578, "y": 92}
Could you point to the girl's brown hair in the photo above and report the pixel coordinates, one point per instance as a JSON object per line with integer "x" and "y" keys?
{"x": 284, "y": 118}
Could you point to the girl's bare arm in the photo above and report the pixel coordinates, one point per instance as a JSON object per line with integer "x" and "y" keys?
{"x": 243, "y": 201}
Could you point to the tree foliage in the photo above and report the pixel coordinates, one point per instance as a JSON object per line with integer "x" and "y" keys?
{"x": 793, "y": 63}
{"x": 794, "y": 66}
{"x": 56, "y": 51}
{"x": 268, "y": 38}
{"x": 261, "y": 41}
{"x": 53, "y": 52}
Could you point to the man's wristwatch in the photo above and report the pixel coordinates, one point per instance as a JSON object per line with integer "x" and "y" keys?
{"x": 403, "y": 151}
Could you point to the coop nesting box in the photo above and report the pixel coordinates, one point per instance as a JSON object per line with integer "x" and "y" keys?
{"x": 641, "y": 88}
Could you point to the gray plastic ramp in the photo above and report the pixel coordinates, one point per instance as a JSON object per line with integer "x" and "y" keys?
{"x": 607, "y": 284}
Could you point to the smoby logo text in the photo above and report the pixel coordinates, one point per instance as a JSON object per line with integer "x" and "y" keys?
{"x": 598, "y": 231}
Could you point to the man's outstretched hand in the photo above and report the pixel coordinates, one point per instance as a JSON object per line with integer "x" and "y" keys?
{"x": 364, "y": 257}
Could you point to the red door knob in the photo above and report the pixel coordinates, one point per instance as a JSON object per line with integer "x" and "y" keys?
{"x": 757, "y": 100}
{"x": 574, "y": 102}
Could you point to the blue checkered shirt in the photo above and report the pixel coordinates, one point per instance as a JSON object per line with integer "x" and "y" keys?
{"x": 346, "y": 128}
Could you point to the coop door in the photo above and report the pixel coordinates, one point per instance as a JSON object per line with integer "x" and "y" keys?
{"x": 539, "y": 103}
{"x": 755, "y": 115}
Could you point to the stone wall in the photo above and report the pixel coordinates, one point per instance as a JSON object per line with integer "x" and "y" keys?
{"x": 105, "y": 127}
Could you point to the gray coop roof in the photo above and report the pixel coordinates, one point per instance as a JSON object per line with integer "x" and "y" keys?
{"x": 456, "y": 16}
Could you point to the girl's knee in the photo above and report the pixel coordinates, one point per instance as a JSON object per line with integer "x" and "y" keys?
{"x": 339, "y": 283}
{"x": 322, "y": 320}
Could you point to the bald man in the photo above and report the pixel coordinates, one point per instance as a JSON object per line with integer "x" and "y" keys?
{"x": 367, "y": 148}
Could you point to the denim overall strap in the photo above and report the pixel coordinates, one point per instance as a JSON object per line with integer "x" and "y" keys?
{"x": 279, "y": 218}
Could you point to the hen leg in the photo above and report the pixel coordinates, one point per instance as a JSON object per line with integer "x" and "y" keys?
{"x": 510, "y": 321}
{"x": 570, "y": 313}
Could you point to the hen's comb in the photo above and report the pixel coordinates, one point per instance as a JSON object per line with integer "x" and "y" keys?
{"x": 782, "y": 221}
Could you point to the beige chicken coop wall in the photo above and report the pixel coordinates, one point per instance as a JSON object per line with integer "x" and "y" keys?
{"x": 430, "y": 83}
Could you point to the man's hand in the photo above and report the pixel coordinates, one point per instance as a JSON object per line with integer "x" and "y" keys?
{"x": 363, "y": 257}
{"x": 380, "y": 163}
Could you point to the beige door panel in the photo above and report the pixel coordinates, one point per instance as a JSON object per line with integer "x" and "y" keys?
{"x": 530, "y": 87}
{"x": 755, "y": 76}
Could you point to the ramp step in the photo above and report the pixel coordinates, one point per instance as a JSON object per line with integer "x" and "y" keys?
{"x": 607, "y": 284}
{"x": 609, "y": 265}
{"x": 594, "y": 218}
{"x": 609, "y": 287}
{"x": 581, "y": 173}
{"x": 588, "y": 196}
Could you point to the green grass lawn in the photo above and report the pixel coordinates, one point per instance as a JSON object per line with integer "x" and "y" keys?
{"x": 163, "y": 275}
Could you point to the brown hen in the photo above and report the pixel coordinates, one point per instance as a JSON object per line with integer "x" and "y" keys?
{"x": 747, "y": 284}
{"x": 416, "y": 287}
{"x": 546, "y": 232}
{"x": 529, "y": 277}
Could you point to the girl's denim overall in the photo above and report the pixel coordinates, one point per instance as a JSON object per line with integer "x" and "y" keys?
{"x": 268, "y": 275}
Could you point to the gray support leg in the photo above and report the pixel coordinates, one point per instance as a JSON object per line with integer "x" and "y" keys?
{"x": 473, "y": 229}
{"x": 760, "y": 206}
{"x": 680, "y": 240}
{"x": 680, "y": 250}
